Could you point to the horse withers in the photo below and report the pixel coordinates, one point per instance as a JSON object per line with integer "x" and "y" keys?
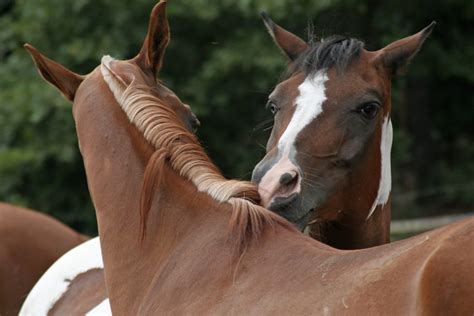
{"x": 327, "y": 165}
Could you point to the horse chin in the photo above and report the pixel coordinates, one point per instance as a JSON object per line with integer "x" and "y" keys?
{"x": 292, "y": 210}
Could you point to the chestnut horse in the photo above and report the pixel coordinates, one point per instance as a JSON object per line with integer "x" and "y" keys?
{"x": 75, "y": 283}
{"x": 29, "y": 243}
{"x": 177, "y": 238}
{"x": 328, "y": 158}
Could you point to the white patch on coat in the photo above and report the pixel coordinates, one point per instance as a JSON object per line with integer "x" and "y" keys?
{"x": 101, "y": 309}
{"x": 385, "y": 183}
{"x": 55, "y": 281}
{"x": 308, "y": 105}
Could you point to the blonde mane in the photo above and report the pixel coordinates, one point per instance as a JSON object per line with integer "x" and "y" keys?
{"x": 162, "y": 128}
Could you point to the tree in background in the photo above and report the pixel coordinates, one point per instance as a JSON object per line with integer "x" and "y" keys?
{"x": 223, "y": 63}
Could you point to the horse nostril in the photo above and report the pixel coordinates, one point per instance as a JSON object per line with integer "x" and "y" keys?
{"x": 288, "y": 178}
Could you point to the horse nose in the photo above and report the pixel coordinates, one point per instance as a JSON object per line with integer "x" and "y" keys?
{"x": 278, "y": 184}
{"x": 289, "y": 178}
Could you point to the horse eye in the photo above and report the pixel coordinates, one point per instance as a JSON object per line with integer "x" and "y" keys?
{"x": 369, "y": 110}
{"x": 195, "y": 124}
{"x": 272, "y": 107}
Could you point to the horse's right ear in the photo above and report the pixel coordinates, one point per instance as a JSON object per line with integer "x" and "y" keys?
{"x": 291, "y": 45}
{"x": 65, "y": 80}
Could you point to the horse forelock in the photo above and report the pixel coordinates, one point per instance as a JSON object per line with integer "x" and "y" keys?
{"x": 161, "y": 127}
{"x": 335, "y": 51}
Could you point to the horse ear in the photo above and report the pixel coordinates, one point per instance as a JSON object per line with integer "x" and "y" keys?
{"x": 65, "y": 80}
{"x": 397, "y": 55}
{"x": 291, "y": 45}
{"x": 156, "y": 41}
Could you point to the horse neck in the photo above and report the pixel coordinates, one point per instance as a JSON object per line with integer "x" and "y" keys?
{"x": 115, "y": 157}
{"x": 354, "y": 218}
{"x": 373, "y": 232}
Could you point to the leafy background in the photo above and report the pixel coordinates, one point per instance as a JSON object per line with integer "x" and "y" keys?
{"x": 223, "y": 63}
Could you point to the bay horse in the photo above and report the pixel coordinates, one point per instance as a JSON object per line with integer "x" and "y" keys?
{"x": 29, "y": 243}
{"x": 327, "y": 165}
{"x": 178, "y": 238}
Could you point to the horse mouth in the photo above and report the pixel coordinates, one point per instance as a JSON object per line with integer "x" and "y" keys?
{"x": 290, "y": 208}
{"x": 284, "y": 205}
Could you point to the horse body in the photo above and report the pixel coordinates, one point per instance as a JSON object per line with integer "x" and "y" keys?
{"x": 177, "y": 238}
{"x": 194, "y": 269}
{"x": 398, "y": 280}
{"x": 30, "y": 243}
{"x": 186, "y": 264}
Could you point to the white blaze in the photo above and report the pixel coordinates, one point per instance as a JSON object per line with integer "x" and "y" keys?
{"x": 55, "y": 281}
{"x": 309, "y": 105}
{"x": 385, "y": 184}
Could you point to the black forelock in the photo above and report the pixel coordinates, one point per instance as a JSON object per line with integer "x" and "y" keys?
{"x": 334, "y": 51}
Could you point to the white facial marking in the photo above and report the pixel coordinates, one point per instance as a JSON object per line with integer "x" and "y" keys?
{"x": 55, "y": 281}
{"x": 385, "y": 184}
{"x": 309, "y": 104}
{"x": 101, "y": 309}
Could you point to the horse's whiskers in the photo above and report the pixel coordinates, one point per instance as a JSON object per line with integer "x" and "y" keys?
{"x": 265, "y": 125}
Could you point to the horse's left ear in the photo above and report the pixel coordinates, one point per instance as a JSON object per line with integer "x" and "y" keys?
{"x": 156, "y": 41}
{"x": 397, "y": 55}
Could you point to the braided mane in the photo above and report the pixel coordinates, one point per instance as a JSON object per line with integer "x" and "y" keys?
{"x": 174, "y": 144}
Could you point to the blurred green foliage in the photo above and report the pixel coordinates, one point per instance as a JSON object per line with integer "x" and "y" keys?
{"x": 223, "y": 63}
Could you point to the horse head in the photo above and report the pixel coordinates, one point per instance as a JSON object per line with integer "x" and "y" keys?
{"x": 142, "y": 69}
{"x": 328, "y": 155}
